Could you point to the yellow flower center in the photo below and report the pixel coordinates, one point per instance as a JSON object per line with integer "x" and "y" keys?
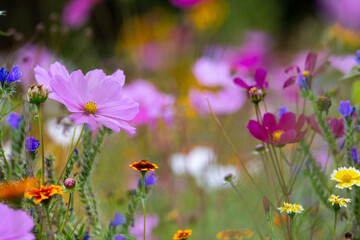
{"x": 277, "y": 135}
{"x": 253, "y": 90}
{"x": 305, "y": 73}
{"x": 347, "y": 178}
{"x": 90, "y": 107}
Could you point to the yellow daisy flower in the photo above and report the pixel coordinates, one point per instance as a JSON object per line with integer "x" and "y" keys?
{"x": 291, "y": 208}
{"x": 347, "y": 177}
{"x": 340, "y": 201}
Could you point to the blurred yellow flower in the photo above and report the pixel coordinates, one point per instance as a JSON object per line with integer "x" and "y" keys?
{"x": 209, "y": 15}
{"x": 342, "y": 202}
{"x": 347, "y": 36}
{"x": 181, "y": 235}
{"x": 347, "y": 177}
{"x": 235, "y": 234}
{"x": 291, "y": 208}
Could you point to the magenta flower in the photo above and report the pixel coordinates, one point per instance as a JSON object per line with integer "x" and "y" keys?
{"x": 153, "y": 104}
{"x": 211, "y": 72}
{"x": 186, "y": 3}
{"x": 15, "y": 224}
{"x": 95, "y": 99}
{"x": 260, "y": 80}
{"x": 77, "y": 12}
{"x": 152, "y": 221}
{"x": 287, "y": 130}
{"x": 336, "y": 126}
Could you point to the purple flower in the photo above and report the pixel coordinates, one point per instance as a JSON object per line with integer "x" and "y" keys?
{"x": 15, "y": 224}
{"x": 8, "y": 78}
{"x": 151, "y": 221}
{"x": 77, "y": 12}
{"x": 354, "y": 155}
{"x": 14, "y": 120}
{"x": 95, "y": 99}
{"x": 154, "y": 105}
{"x": 345, "y": 109}
{"x": 3, "y": 75}
{"x": 149, "y": 180}
{"x": 186, "y": 3}
{"x": 281, "y": 111}
{"x": 336, "y": 126}
{"x": 118, "y": 220}
{"x": 357, "y": 58}
{"x": 287, "y": 130}
{"x": 31, "y": 144}
{"x": 301, "y": 80}
{"x": 119, "y": 237}
{"x": 260, "y": 80}
{"x": 85, "y": 237}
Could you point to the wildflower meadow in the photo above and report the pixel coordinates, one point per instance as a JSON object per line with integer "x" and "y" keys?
{"x": 179, "y": 119}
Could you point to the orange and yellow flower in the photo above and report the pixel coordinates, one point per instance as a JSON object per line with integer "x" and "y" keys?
{"x": 235, "y": 234}
{"x": 16, "y": 189}
{"x": 43, "y": 193}
{"x": 181, "y": 235}
{"x": 143, "y": 165}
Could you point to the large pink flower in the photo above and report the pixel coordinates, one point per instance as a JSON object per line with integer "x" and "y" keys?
{"x": 287, "y": 130}
{"x": 15, "y": 224}
{"x": 95, "y": 98}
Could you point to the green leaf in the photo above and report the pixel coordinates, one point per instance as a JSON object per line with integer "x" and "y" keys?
{"x": 356, "y": 92}
{"x": 2, "y": 33}
{"x": 128, "y": 236}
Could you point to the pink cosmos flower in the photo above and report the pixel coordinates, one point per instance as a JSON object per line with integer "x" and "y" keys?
{"x": 186, "y": 3}
{"x": 27, "y": 57}
{"x": 260, "y": 80}
{"x": 336, "y": 126}
{"x": 15, "y": 224}
{"x": 152, "y": 221}
{"x": 95, "y": 99}
{"x": 287, "y": 130}
{"x": 77, "y": 12}
{"x": 153, "y": 104}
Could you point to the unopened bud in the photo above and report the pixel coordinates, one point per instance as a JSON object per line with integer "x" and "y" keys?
{"x": 266, "y": 204}
{"x": 323, "y": 103}
{"x": 37, "y": 94}
{"x": 259, "y": 148}
{"x": 348, "y": 235}
{"x": 229, "y": 177}
{"x": 69, "y": 183}
{"x": 255, "y": 94}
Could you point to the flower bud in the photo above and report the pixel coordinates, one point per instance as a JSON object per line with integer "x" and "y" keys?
{"x": 255, "y": 94}
{"x": 266, "y": 204}
{"x": 229, "y": 177}
{"x": 259, "y": 148}
{"x": 69, "y": 183}
{"x": 37, "y": 94}
{"x": 348, "y": 235}
{"x": 323, "y": 103}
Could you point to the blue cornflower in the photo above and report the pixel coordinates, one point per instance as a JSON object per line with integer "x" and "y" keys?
{"x": 301, "y": 79}
{"x": 357, "y": 58}
{"x": 76, "y": 151}
{"x": 345, "y": 109}
{"x": 14, "y": 120}
{"x": 31, "y": 144}
{"x": 86, "y": 237}
{"x": 119, "y": 237}
{"x": 354, "y": 155}
{"x": 151, "y": 180}
{"x": 281, "y": 111}
{"x": 3, "y": 75}
{"x": 118, "y": 220}
{"x": 14, "y": 75}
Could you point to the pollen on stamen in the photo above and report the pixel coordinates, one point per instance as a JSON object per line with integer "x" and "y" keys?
{"x": 90, "y": 107}
{"x": 305, "y": 73}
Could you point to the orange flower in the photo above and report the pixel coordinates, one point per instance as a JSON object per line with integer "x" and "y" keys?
{"x": 235, "y": 234}
{"x": 278, "y": 221}
{"x": 16, "y": 189}
{"x": 43, "y": 193}
{"x": 180, "y": 234}
{"x": 143, "y": 165}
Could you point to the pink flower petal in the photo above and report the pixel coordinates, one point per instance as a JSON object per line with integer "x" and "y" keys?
{"x": 269, "y": 122}
{"x": 287, "y": 137}
{"x": 287, "y": 121}
{"x": 258, "y": 131}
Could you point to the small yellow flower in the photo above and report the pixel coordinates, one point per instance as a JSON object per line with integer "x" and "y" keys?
{"x": 340, "y": 201}
{"x": 347, "y": 177}
{"x": 291, "y": 208}
{"x": 235, "y": 234}
{"x": 181, "y": 235}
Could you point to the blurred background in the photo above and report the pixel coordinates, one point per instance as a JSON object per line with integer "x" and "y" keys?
{"x": 176, "y": 55}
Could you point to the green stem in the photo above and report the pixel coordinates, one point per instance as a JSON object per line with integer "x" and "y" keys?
{"x": 67, "y": 212}
{"x": 143, "y": 200}
{"x": 49, "y": 223}
{"x": 7, "y": 164}
{"x": 42, "y": 147}
{"x": 335, "y": 225}
{"x": 71, "y": 152}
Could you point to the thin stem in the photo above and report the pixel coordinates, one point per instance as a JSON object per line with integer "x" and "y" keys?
{"x": 71, "y": 152}
{"x": 67, "y": 212}
{"x": 143, "y": 200}
{"x": 72, "y": 138}
{"x": 48, "y": 220}
{"x": 7, "y": 164}
{"x": 42, "y": 146}
{"x": 335, "y": 225}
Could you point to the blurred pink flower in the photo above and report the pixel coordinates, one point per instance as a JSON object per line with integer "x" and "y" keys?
{"x": 15, "y": 224}
{"x": 153, "y": 104}
{"x": 345, "y": 12}
{"x": 77, "y": 12}
{"x": 336, "y": 126}
{"x": 343, "y": 63}
{"x": 225, "y": 101}
{"x": 152, "y": 221}
{"x": 28, "y": 56}
{"x": 96, "y": 99}
{"x": 212, "y": 72}
{"x": 186, "y": 3}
